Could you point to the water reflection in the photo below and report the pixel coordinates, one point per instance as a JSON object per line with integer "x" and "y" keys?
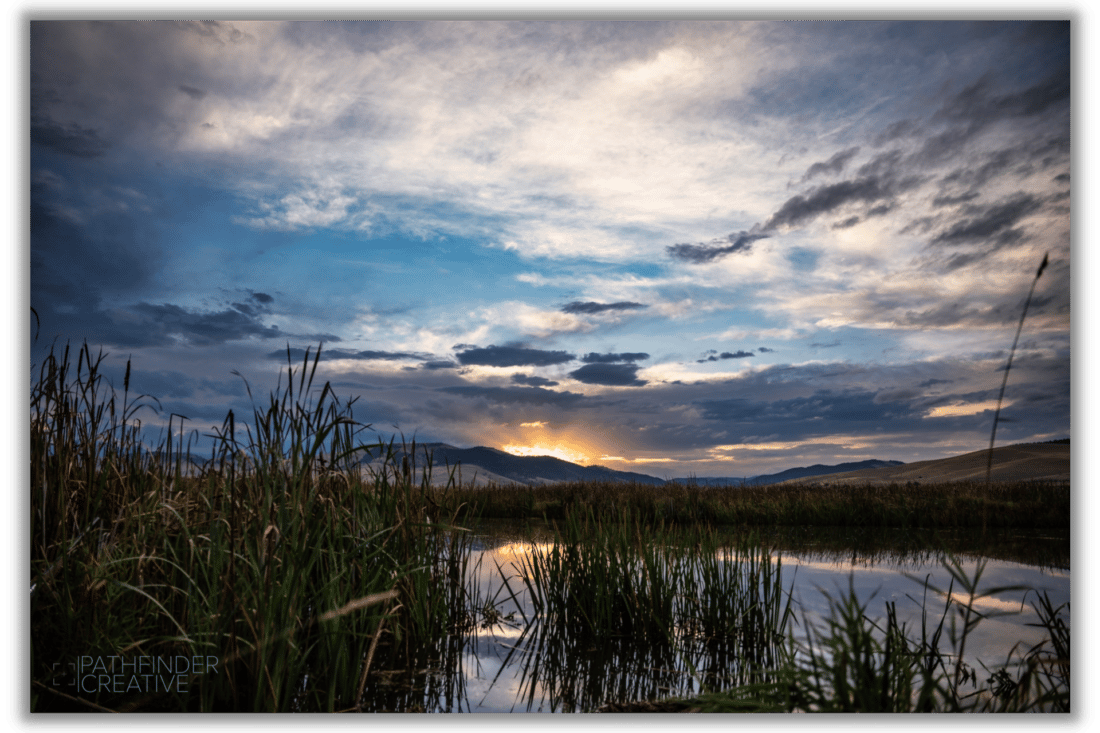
{"x": 506, "y": 660}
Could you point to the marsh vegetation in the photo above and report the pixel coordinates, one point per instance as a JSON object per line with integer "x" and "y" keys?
{"x": 317, "y": 586}
{"x": 955, "y": 505}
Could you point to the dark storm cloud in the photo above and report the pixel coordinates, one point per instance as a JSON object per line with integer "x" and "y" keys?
{"x": 519, "y": 395}
{"x": 952, "y": 128}
{"x": 884, "y": 165}
{"x": 803, "y": 209}
{"x": 217, "y": 30}
{"x": 897, "y": 394}
{"x": 174, "y": 384}
{"x": 941, "y": 201}
{"x": 728, "y": 355}
{"x": 835, "y": 164}
{"x": 504, "y": 356}
{"x": 1021, "y": 160}
{"x": 983, "y": 223}
{"x": 72, "y": 139}
{"x": 824, "y": 406}
{"x": 918, "y": 314}
{"x": 974, "y": 109}
{"x": 594, "y": 358}
{"x": 943, "y": 146}
{"x": 974, "y": 175}
{"x": 439, "y": 365}
{"x": 333, "y": 354}
{"x": 765, "y": 350}
{"x": 896, "y": 131}
{"x": 258, "y": 306}
{"x": 700, "y": 253}
{"x": 192, "y": 91}
{"x": 979, "y": 106}
{"x": 202, "y": 329}
{"x": 611, "y": 375}
{"x": 533, "y": 381}
{"x": 800, "y": 402}
{"x": 847, "y": 223}
{"x": 75, "y": 267}
{"x": 593, "y": 307}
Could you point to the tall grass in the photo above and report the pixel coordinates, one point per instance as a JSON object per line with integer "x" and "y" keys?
{"x": 278, "y": 557}
{"x": 602, "y": 584}
{"x": 851, "y": 660}
{"x": 1012, "y": 505}
{"x": 1004, "y": 383}
{"x": 662, "y": 594}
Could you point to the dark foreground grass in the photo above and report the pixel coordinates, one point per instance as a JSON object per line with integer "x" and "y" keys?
{"x": 857, "y": 662}
{"x": 271, "y": 581}
{"x": 683, "y": 604}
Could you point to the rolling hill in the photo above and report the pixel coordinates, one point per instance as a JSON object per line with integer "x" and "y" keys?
{"x": 1020, "y": 462}
{"x": 480, "y": 466}
{"x": 790, "y": 474}
{"x": 483, "y": 465}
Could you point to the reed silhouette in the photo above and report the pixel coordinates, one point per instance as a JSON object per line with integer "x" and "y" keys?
{"x": 1004, "y": 382}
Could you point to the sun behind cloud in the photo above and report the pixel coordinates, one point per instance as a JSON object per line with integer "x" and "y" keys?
{"x": 543, "y": 449}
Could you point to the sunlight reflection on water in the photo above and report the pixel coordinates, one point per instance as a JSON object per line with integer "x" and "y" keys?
{"x": 501, "y": 668}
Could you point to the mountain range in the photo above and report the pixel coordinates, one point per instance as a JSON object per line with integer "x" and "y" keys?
{"x": 482, "y": 465}
{"x": 791, "y": 474}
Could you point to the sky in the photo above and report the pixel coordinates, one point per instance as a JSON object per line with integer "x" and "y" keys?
{"x": 711, "y": 248}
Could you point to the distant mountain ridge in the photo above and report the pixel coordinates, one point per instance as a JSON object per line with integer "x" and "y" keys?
{"x": 481, "y": 465}
{"x": 1049, "y": 461}
{"x": 493, "y": 464}
{"x": 789, "y": 475}
{"x": 486, "y": 465}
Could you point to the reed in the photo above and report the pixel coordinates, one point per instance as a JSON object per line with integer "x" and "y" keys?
{"x": 722, "y": 634}
{"x": 277, "y": 557}
{"x": 956, "y": 505}
{"x": 1004, "y": 383}
{"x": 666, "y": 591}
{"x": 851, "y": 661}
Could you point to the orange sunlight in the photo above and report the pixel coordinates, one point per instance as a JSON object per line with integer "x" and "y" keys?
{"x": 971, "y": 409}
{"x": 542, "y": 449}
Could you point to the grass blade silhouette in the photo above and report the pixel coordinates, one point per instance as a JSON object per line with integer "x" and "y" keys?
{"x": 1004, "y": 382}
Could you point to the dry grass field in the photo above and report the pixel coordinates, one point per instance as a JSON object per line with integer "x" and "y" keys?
{"x": 1025, "y": 462}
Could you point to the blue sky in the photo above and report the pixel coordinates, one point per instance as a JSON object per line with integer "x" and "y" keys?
{"x": 711, "y": 248}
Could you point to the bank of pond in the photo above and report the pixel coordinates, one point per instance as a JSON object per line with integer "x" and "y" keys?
{"x": 572, "y": 616}
{"x": 948, "y": 505}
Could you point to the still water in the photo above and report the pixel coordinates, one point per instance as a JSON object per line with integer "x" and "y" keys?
{"x": 505, "y": 661}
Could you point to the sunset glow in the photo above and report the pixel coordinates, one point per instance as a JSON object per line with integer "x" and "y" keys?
{"x": 964, "y": 409}
{"x": 556, "y": 451}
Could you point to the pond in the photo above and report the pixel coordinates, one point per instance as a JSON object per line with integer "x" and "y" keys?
{"x": 509, "y": 658}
